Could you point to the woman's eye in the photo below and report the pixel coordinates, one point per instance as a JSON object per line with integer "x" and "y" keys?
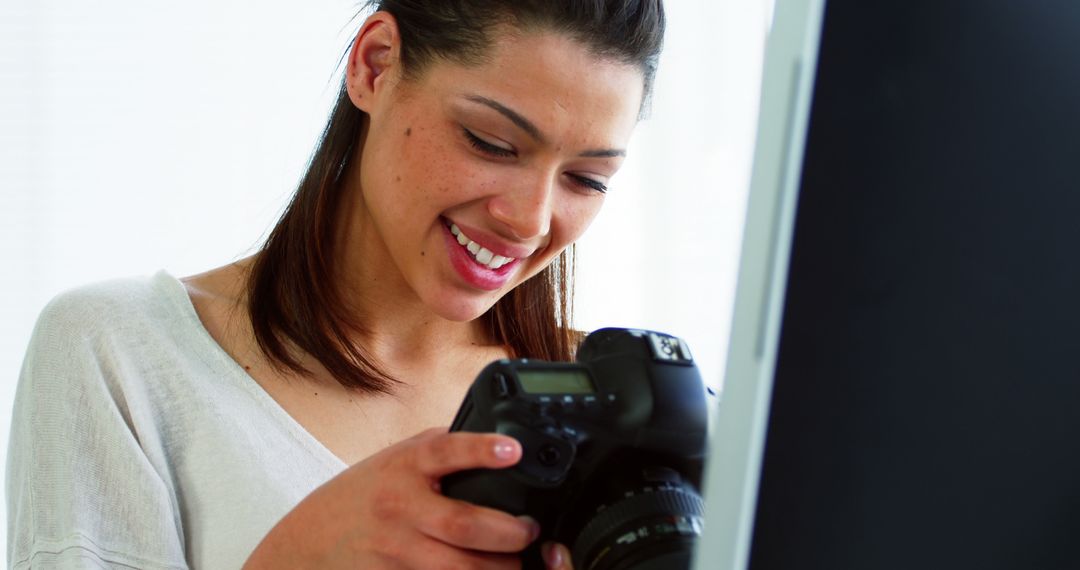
{"x": 486, "y": 147}
{"x": 589, "y": 183}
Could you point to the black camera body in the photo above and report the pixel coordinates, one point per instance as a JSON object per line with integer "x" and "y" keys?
{"x": 613, "y": 448}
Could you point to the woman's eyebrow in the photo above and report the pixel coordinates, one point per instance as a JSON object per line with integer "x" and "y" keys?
{"x": 534, "y": 132}
{"x": 603, "y": 153}
{"x": 522, "y": 123}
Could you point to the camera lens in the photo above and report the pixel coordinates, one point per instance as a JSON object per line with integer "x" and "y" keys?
{"x": 653, "y": 526}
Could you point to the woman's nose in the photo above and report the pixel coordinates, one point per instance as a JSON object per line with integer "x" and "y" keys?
{"x": 525, "y": 207}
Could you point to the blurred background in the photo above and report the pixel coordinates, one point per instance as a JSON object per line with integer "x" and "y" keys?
{"x": 137, "y": 136}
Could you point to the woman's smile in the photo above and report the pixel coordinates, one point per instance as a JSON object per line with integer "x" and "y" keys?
{"x": 475, "y": 263}
{"x": 482, "y": 254}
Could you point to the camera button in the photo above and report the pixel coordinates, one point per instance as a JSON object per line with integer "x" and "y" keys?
{"x": 502, "y": 386}
{"x": 549, "y": 455}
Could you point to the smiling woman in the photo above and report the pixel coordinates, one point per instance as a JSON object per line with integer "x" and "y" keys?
{"x": 514, "y": 150}
{"x": 273, "y": 410}
{"x": 497, "y": 149}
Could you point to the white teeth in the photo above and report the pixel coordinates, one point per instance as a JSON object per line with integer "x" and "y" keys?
{"x": 482, "y": 255}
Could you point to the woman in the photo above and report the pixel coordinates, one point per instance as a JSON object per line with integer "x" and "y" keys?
{"x": 267, "y": 411}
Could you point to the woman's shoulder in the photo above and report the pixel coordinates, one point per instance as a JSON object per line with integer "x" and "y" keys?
{"x": 115, "y": 305}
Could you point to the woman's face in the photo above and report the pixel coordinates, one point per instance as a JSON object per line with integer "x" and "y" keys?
{"x": 473, "y": 178}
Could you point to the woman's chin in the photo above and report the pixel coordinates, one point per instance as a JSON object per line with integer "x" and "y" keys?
{"x": 464, "y": 310}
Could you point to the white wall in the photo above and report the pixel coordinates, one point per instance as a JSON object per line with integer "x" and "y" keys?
{"x": 664, "y": 251}
{"x": 142, "y": 135}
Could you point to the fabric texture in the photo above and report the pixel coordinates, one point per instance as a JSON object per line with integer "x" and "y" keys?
{"x": 137, "y": 442}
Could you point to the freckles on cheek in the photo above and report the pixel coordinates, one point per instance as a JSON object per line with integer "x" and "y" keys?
{"x": 483, "y": 182}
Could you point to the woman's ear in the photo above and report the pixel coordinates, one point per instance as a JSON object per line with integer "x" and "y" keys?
{"x": 373, "y": 60}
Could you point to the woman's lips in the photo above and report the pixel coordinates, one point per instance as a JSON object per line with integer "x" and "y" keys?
{"x": 483, "y": 255}
{"x": 471, "y": 270}
{"x": 489, "y": 241}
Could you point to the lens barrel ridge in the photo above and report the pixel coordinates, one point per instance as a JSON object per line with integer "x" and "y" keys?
{"x": 645, "y": 525}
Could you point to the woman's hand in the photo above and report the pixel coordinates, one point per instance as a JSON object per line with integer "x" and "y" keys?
{"x": 556, "y": 556}
{"x": 387, "y": 512}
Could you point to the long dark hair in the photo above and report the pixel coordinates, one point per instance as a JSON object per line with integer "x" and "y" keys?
{"x": 293, "y": 299}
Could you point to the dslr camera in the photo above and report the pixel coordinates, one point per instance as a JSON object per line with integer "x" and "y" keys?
{"x": 613, "y": 449}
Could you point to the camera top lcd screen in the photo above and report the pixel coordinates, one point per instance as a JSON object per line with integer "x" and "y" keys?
{"x": 555, "y": 381}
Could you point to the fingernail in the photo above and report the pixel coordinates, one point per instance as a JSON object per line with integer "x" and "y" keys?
{"x": 505, "y": 450}
{"x": 553, "y": 555}
{"x": 534, "y": 527}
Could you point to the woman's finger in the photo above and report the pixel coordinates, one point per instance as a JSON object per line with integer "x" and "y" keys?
{"x": 451, "y": 452}
{"x": 465, "y": 525}
{"x": 556, "y": 556}
{"x": 422, "y": 554}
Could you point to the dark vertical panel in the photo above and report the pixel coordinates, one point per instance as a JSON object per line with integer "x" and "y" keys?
{"x": 926, "y": 411}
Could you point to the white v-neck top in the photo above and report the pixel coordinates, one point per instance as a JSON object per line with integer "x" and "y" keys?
{"x": 137, "y": 442}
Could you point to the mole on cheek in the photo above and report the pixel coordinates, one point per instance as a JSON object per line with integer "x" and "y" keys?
{"x": 408, "y": 131}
